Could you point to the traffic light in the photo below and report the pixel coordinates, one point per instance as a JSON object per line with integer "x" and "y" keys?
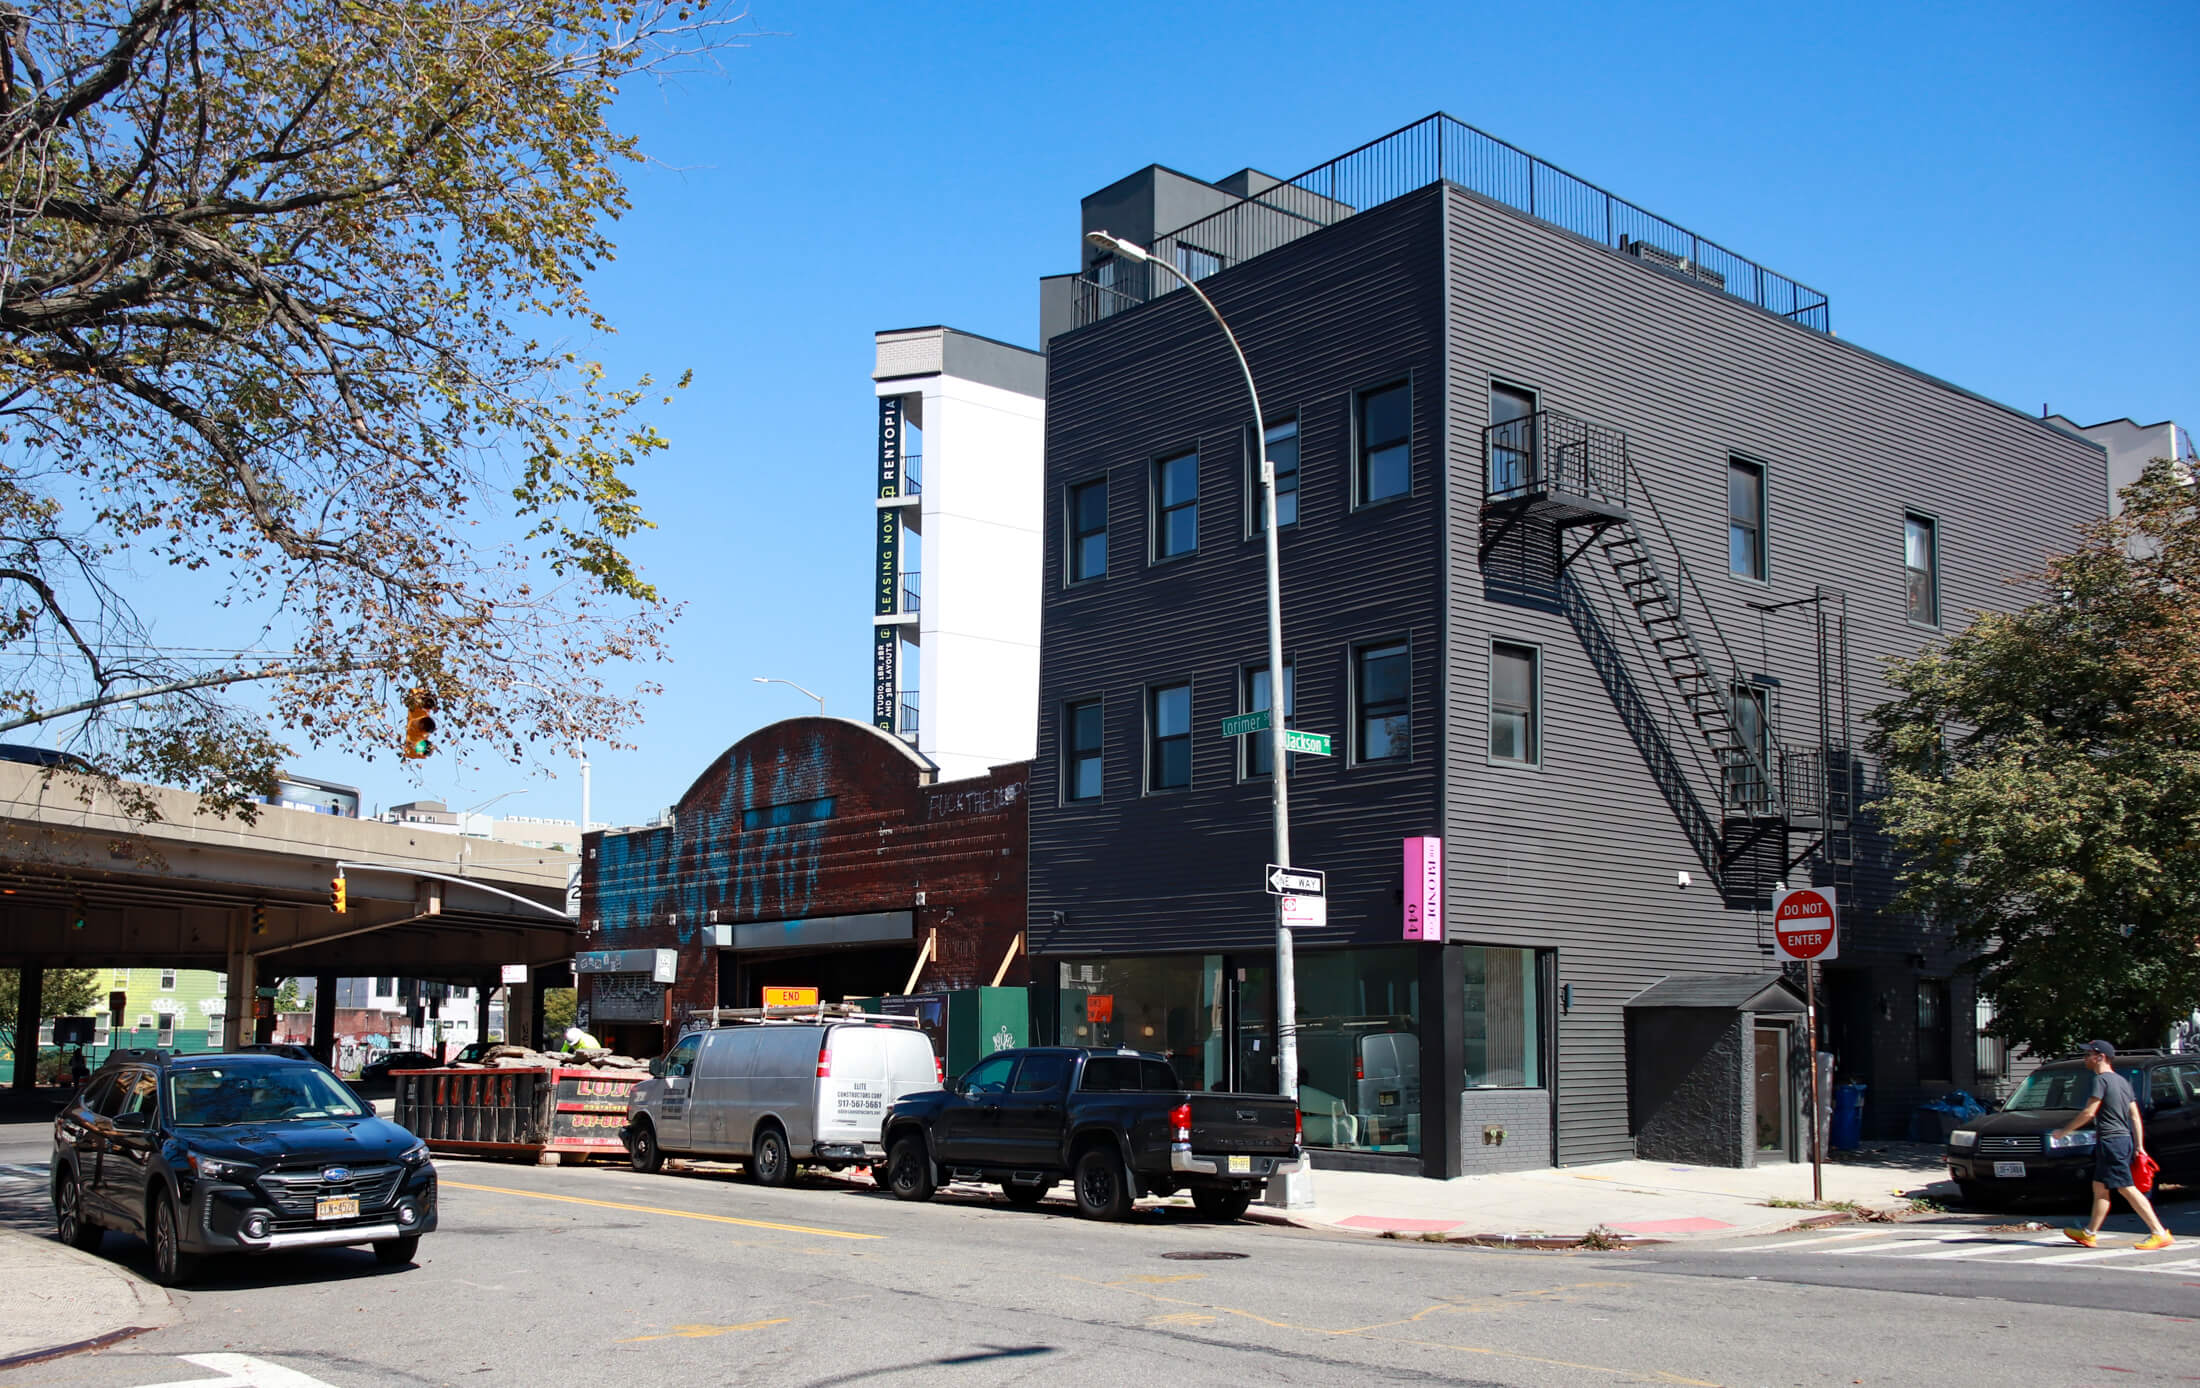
{"x": 336, "y": 897}
{"x": 76, "y": 914}
{"x": 259, "y": 915}
{"x": 419, "y": 722}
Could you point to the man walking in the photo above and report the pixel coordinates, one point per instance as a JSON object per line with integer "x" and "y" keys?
{"x": 2118, "y": 1132}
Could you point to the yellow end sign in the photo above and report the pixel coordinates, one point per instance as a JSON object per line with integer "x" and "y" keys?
{"x": 790, "y": 997}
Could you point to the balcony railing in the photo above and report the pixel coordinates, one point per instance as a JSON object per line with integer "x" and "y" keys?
{"x": 912, "y": 591}
{"x": 1441, "y": 149}
{"x": 906, "y": 725}
{"x": 1551, "y": 452}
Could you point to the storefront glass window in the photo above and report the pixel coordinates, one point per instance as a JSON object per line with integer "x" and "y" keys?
{"x": 1502, "y": 1019}
{"x": 1360, "y": 1049}
{"x": 1170, "y": 1004}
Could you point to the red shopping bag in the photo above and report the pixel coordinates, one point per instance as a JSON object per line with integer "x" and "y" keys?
{"x": 2143, "y": 1170}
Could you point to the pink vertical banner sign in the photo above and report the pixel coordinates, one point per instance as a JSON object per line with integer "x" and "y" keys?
{"x": 1424, "y": 883}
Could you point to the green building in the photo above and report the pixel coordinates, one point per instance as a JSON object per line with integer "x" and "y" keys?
{"x": 175, "y": 1009}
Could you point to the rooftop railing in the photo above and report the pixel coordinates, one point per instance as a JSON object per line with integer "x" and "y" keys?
{"x": 1442, "y": 149}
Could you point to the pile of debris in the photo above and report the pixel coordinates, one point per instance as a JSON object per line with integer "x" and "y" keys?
{"x": 521, "y": 1058}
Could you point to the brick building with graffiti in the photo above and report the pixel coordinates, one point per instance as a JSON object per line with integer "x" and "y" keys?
{"x": 814, "y": 853}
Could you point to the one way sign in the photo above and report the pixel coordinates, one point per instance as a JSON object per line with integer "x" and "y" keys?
{"x": 1286, "y": 881}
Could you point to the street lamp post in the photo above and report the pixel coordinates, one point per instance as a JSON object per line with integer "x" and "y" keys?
{"x": 770, "y": 679}
{"x": 1287, "y": 1026}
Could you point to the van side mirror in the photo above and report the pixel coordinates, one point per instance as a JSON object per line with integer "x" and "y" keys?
{"x": 130, "y": 1122}
{"x": 657, "y": 1067}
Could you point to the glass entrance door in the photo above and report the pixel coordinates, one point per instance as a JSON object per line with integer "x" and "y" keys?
{"x": 1255, "y": 1069}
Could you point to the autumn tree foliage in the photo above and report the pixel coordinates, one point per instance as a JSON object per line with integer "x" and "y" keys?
{"x": 2045, "y": 777}
{"x": 293, "y": 298}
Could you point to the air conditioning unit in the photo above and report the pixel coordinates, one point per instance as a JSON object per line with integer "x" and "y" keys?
{"x": 1705, "y": 273}
{"x": 1655, "y": 254}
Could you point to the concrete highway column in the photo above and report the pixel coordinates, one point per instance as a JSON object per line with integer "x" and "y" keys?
{"x": 520, "y": 1009}
{"x": 237, "y": 1021}
{"x": 324, "y": 1019}
{"x": 30, "y": 1000}
{"x": 483, "y": 987}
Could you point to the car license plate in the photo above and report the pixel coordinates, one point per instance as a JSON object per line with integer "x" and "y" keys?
{"x": 336, "y": 1207}
{"x": 1387, "y": 1098}
{"x": 1241, "y": 1166}
{"x": 2012, "y": 1169}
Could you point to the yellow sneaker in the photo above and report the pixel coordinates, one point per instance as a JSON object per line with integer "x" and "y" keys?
{"x": 2154, "y": 1241}
{"x": 2084, "y": 1236}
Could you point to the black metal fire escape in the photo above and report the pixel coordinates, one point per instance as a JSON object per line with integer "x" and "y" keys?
{"x": 1555, "y": 486}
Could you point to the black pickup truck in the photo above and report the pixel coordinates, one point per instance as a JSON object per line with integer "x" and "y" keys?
{"x": 1116, "y": 1123}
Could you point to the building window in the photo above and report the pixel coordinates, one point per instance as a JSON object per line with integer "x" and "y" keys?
{"x": 1921, "y": 568}
{"x": 1933, "y": 1060}
{"x": 1176, "y": 505}
{"x": 1260, "y": 747}
{"x": 167, "y": 979}
{"x": 1088, "y": 530}
{"x": 167, "y": 1029}
{"x": 1745, "y": 519}
{"x": 1169, "y": 737}
{"x": 1081, "y": 751}
{"x": 1360, "y": 1049}
{"x": 1747, "y": 778}
{"x": 1512, "y": 441}
{"x": 216, "y": 1033}
{"x": 1385, "y": 443}
{"x": 1196, "y": 263}
{"x": 1502, "y": 1019}
{"x": 1515, "y": 705}
{"x": 1382, "y": 687}
{"x": 1282, "y": 442}
{"x": 122, "y": 975}
{"x": 784, "y": 815}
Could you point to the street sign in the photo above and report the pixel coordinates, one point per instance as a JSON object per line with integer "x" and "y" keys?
{"x": 1805, "y": 925}
{"x": 1313, "y": 744}
{"x": 1305, "y": 912}
{"x": 1239, "y": 724}
{"x": 1423, "y": 898}
{"x": 1284, "y": 881}
{"x": 513, "y": 973}
{"x": 790, "y": 997}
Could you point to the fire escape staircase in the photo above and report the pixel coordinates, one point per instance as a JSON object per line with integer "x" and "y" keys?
{"x": 1574, "y": 480}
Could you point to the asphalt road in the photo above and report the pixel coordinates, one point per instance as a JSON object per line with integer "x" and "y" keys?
{"x": 599, "y": 1275}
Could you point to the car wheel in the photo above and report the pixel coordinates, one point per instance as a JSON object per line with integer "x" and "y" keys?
{"x": 397, "y": 1253}
{"x": 1222, "y": 1206}
{"x": 1103, "y": 1189}
{"x": 642, "y": 1151}
{"x": 771, "y": 1166}
{"x": 172, "y": 1267}
{"x": 68, "y": 1215}
{"x": 909, "y": 1170}
{"x": 1025, "y": 1197}
{"x": 1979, "y": 1197}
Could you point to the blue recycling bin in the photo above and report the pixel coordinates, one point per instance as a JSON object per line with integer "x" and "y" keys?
{"x": 1847, "y": 1132}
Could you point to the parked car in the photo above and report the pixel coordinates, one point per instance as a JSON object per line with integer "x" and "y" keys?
{"x": 379, "y": 1068}
{"x": 775, "y": 1095}
{"x": 474, "y": 1052}
{"x": 215, "y": 1154}
{"x": 2007, "y": 1155}
{"x": 1116, "y": 1123}
{"x": 285, "y": 1049}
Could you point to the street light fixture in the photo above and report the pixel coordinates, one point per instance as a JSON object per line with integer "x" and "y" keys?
{"x": 770, "y": 679}
{"x": 1287, "y": 1026}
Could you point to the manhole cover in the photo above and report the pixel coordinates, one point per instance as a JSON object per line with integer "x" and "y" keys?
{"x": 1205, "y": 1256}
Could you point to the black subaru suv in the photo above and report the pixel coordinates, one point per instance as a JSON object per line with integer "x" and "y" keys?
{"x": 2012, "y": 1154}
{"x": 203, "y": 1154}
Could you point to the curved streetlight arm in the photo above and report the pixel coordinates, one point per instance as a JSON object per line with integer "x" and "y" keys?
{"x": 1287, "y": 1047}
{"x": 773, "y": 679}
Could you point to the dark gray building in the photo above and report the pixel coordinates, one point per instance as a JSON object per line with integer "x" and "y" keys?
{"x": 1594, "y": 538}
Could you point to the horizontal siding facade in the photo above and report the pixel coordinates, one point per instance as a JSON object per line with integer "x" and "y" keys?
{"x": 1584, "y": 852}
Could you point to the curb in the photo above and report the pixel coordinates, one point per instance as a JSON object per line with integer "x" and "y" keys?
{"x": 40, "y": 1356}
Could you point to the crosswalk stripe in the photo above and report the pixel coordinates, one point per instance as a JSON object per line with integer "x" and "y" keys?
{"x": 1818, "y": 1239}
{"x": 2182, "y": 1268}
{"x": 2091, "y": 1255}
{"x": 1986, "y": 1249}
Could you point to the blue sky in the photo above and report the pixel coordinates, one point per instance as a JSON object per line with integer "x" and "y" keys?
{"x": 2003, "y": 195}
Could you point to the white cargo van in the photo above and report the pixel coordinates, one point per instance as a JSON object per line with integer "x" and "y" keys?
{"x": 775, "y": 1095}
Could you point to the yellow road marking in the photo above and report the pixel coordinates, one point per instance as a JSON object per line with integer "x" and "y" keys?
{"x": 1161, "y": 1277}
{"x": 704, "y": 1332}
{"x": 1483, "y": 1305}
{"x": 660, "y": 1210}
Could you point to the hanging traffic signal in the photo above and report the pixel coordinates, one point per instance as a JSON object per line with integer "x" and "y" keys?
{"x": 76, "y": 914}
{"x": 259, "y": 915}
{"x": 419, "y": 722}
{"x": 336, "y": 895}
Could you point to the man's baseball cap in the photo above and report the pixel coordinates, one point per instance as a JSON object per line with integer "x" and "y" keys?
{"x": 2101, "y": 1048}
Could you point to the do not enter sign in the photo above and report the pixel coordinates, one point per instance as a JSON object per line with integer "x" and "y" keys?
{"x": 1805, "y": 924}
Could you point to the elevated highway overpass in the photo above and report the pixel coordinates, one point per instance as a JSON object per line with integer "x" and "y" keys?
{"x": 84, "y": 884}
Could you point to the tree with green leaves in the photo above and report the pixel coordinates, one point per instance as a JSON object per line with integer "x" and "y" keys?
{"x": 62, "y": 993}
{"x": 293, "y": 297}
{"x": 2044, "y": 770}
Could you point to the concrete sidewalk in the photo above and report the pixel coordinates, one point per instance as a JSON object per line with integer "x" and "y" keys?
{"x": 1640, "y": 1199}
{"x": 62, "y": 1301}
